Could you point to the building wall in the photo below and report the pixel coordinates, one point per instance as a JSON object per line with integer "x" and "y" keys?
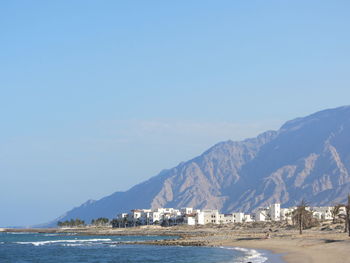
{"x": 260, "y": 215}
{"x": 200, "y": 218}
{"x": 190, "y": 220}
{"x": 238, "y": 217}
{"x": 322, "y": 213}
{"x": 275, "y": 211}
{"x": 248, "y": 218}
{"x": 186, "y": 210}
{"x": 211, "y": 216}
{"x": 286, "y": 213}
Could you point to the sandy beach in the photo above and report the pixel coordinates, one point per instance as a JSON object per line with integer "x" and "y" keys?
{"x": 310, "y": 247}
{"x": 326, "y": 243}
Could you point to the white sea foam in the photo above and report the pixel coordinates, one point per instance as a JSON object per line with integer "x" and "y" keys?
{"x": 73, "y": 245}
{"x": 113, "y": 245}
{"x": 19, "y": 233}
{"x": 251, "y": 255}
{"x": 41, "y": 243}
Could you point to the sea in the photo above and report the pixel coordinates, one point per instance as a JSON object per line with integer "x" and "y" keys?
{"x": 22, "y": 247}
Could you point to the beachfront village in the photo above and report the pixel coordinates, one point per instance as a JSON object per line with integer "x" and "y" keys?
{"x": 192, "y": 217}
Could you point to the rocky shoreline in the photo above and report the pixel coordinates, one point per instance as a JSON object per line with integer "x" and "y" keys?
{"x": 171, "y": 242}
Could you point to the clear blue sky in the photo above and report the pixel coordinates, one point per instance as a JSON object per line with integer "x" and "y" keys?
{"x": 97, "y": 96}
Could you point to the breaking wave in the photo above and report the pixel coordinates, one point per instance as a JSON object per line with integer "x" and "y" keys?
{"x": 250, "y": 255}
{"x": 84, "y": 241}
{"x": 18, "y": 233}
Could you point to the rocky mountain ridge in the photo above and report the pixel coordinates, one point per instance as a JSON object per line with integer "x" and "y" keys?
{"x": 306, "y": 158}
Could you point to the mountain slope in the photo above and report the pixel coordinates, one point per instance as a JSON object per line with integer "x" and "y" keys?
{"x": 307, "y": 158}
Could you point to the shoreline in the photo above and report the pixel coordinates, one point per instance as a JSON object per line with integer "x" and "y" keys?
{"x": 258, "y": 255}
{"x": 313, "y": 246}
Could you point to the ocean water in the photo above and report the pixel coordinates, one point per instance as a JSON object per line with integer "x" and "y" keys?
{"x": 63, "y": 248}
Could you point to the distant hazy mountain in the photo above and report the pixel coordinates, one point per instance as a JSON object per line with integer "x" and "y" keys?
{"x": 307, "y": 158}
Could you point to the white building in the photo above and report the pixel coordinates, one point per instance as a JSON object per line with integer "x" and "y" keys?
{"x": 322, "y": 213}
{"x": 272, "y": 212}
{"x": 186, "y": 210}
{"x": 275, "y": 212}
{"x": 248, "y": 218}
{"x": 167, "y": 210}
{"x": 261, "y": 214}
{"x": 190, "y": 220}
{"x": 155, "y": 217}
{"x": 286, "y": 213}
{"x": 225, "y": 218}
{"x": 122, "y": 215}
{"x": 211, "y": 216}
{"x": 238, "y": 217}
{"x": 200, "y": 218}
{"x": 135, "y": 214}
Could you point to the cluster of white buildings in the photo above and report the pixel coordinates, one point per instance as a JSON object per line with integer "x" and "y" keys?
{"x": 274, "y": 212}
{"x": 190, "y": 216}
{"x": 171, "y": 216}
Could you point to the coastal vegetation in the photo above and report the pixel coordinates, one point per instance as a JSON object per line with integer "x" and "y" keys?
{"x": 303, "y": 218}
{"x": 346, "y": 217}
{"x": 102, "y": 221}
{"x": 335, "y": 212}
{"x": 71, "y": 223}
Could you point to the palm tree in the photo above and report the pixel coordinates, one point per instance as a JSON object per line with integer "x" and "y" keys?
{"x": 125, "y": 221}
{"x": 115, "y": 223}
{"x": 301, "y": 215}
{"x": 165, "y": 222}
{"x": 335, "y": 211}
{"x": 347, "y": 217}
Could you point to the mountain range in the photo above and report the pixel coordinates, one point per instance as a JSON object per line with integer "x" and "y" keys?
{"x": 307, "y": 158}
